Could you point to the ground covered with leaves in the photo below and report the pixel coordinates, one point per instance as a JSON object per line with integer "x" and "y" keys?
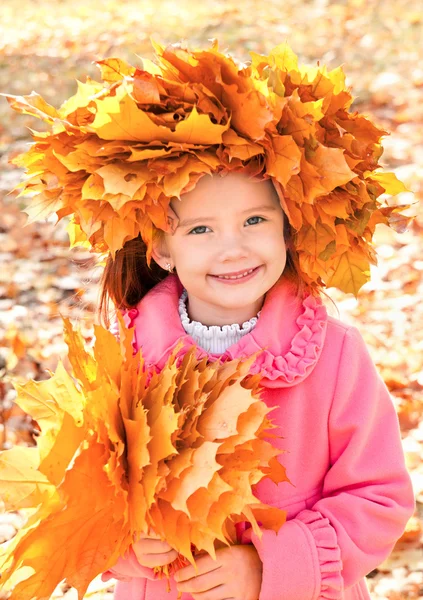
{"x": 45, "y": 46}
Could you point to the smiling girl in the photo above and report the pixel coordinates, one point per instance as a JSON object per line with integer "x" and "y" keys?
{"x": 229, "y": 197}
{"x": 235, "y": 291}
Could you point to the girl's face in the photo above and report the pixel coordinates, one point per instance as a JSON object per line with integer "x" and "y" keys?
{"x": 228, "y": 226}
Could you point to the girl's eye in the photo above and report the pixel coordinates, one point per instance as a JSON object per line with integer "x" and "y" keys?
{"x": 256, "y": 222}
{"x": 196, "y": 231}
{"x": 202, "y": 228}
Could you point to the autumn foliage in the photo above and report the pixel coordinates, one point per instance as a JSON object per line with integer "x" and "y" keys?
{"x": 124, "y": 450}
{"x": 118, "y": 151}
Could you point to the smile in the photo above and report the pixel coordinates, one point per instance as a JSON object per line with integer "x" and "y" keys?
{"x": 241, "y": 275}
{"x": 244, "y": 274}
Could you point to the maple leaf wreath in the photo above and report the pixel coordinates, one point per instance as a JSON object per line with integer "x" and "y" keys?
{"x": 118, "y": 151}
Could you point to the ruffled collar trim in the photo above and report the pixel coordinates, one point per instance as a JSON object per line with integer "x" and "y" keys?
{"x": 198, "y": 331}
{"x": 289, "y": 334}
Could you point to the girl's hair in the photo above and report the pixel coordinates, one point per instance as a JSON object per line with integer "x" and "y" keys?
{"x": 128, "y": 278}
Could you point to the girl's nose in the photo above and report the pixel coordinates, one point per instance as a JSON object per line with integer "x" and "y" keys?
{"x": 233, "y": 247}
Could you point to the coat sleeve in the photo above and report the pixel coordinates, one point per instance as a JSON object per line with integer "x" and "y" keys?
{"x": 367, "y": 493}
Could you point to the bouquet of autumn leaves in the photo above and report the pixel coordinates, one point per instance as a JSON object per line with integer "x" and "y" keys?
{"x": 124, "y": 450}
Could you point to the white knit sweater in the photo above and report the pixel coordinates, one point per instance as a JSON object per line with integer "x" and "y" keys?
{"x": 213, "y": 339}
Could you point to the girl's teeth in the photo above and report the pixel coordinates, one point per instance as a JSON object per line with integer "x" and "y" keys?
{"x": 236, "y": 276}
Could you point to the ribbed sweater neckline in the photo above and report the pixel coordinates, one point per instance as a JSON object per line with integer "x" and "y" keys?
{"x": 214, "y": 338}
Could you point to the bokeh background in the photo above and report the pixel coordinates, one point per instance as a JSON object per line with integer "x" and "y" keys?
{"x": 45, "y": 45}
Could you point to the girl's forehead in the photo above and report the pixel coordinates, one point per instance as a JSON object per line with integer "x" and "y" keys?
{"x": 228, "y": 180}
{"x": 233, "y": 189}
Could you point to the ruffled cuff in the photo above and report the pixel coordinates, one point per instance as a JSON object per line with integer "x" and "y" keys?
{"x": 128, "y": 567}
{"x": 328, "y": 553}
{"x": 300, "y": 562}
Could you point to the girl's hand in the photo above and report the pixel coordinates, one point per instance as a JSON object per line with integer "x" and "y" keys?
{"x": 152, "y": 552}
{"x": 235, "y": 575}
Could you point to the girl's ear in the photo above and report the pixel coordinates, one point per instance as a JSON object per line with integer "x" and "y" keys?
{"x": 172, "y": 219}
{"x": 159, "y": 251}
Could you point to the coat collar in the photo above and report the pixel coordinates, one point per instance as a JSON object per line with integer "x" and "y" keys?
{"x": 290, "y": 331}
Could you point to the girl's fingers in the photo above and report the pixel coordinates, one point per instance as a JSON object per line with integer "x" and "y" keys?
{"x": 206, "y": 567}
{"x": 203, "y": 582}
{"x": 152, "y": 552}
{"x": 156, "y": 560}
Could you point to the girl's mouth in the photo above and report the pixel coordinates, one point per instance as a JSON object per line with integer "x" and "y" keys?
{"x": 240, "y": 278}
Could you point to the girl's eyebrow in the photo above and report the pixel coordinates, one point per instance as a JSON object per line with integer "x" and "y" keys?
{"x": 264, "y": 207}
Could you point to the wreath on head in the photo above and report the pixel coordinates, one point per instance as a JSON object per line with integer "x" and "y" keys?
{"x": 118, "y": 151}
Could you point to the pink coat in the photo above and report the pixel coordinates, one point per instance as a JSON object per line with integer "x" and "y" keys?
{"x": 351, "y": 495}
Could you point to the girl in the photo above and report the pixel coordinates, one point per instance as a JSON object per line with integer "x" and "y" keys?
{"x": 250, "y": 188}
{"x": 236, "y": 290}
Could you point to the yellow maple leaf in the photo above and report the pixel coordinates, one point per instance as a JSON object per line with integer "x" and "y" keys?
{"x": 57, "y": 406}
{"x": 114, "y": 69}
{"x": 389, "y": 181}
{"x": 34, "y": 105}
{"x": 17, "y": 493}
{"x": 351, "y": 270}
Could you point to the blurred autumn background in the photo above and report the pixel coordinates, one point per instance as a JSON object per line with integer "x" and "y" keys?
{"x": 46, "y": 45}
